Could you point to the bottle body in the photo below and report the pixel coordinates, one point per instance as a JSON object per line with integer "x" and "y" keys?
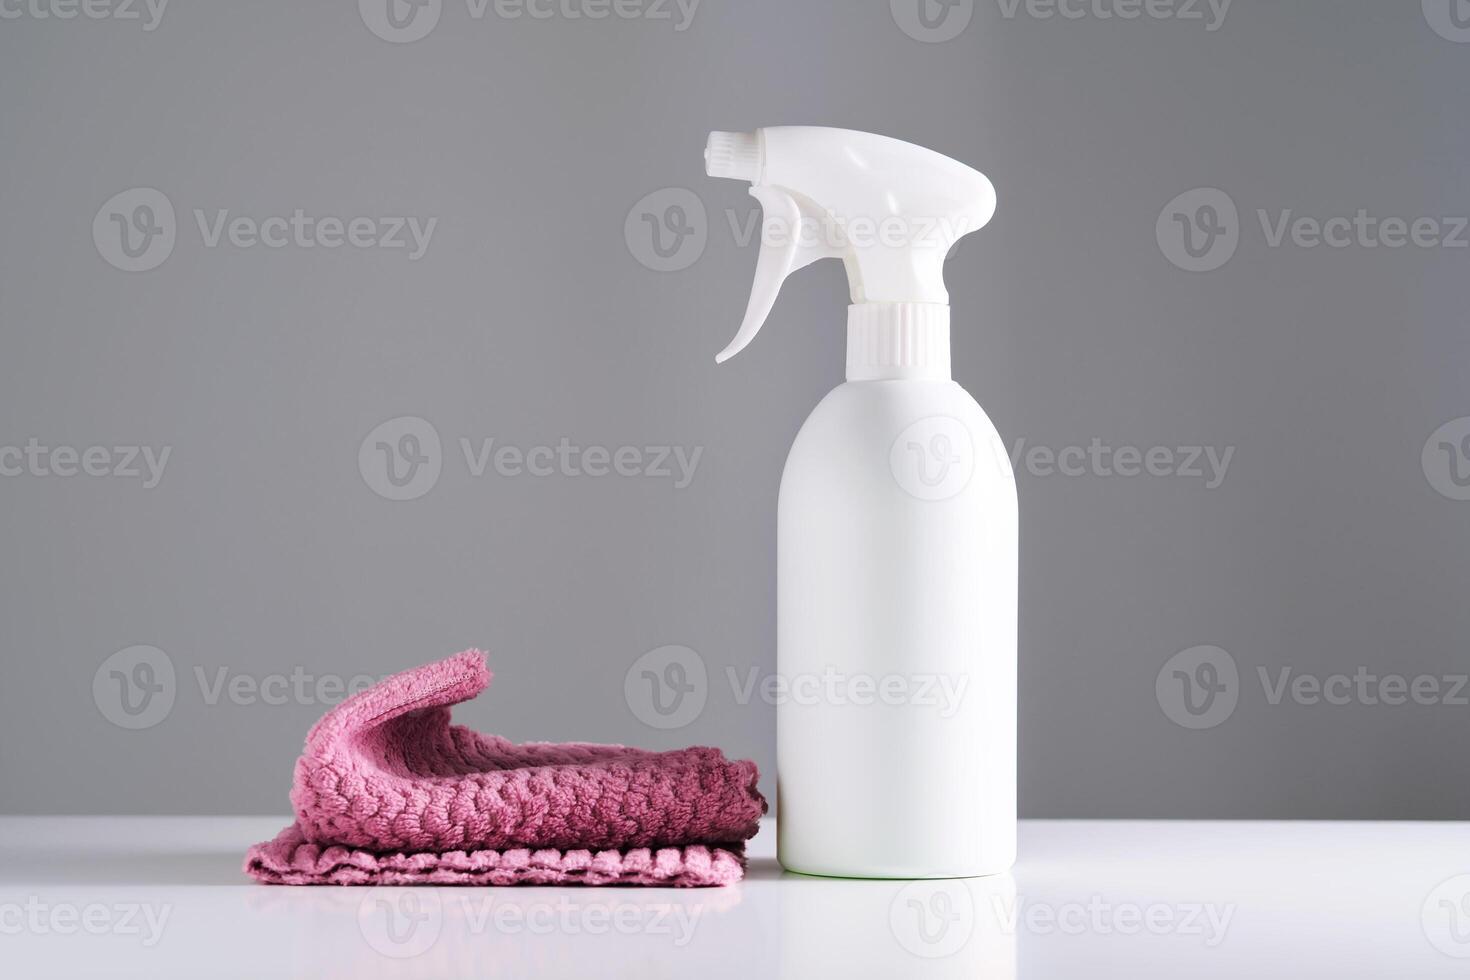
{"x": 896, "y": 637}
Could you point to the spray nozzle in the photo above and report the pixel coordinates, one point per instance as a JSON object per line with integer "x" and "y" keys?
{"x": 733, "y": 155}
{"x": 889, "y": 209}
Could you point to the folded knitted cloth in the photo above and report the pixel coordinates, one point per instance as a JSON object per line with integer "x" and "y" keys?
{"x": 387, "y": 791}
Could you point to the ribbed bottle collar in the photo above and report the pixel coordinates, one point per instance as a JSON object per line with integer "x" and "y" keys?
{"x": 890, "y": 341}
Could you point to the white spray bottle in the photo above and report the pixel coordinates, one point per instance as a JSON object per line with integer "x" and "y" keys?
{"x": 897, "y": 526}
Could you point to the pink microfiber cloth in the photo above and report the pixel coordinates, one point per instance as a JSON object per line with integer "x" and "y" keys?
{"x": 388, "y": 792}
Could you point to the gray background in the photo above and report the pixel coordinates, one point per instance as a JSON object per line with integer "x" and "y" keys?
{"x": 530, "y": 319}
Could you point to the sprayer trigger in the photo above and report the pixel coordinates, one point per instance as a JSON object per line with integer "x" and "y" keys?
{"x": 786, "y": 247}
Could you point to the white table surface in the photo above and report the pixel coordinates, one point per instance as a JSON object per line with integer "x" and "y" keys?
{"x": 164, "y": 897}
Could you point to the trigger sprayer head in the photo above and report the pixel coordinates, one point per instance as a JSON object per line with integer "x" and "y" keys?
{"x": 890, "y": 210}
